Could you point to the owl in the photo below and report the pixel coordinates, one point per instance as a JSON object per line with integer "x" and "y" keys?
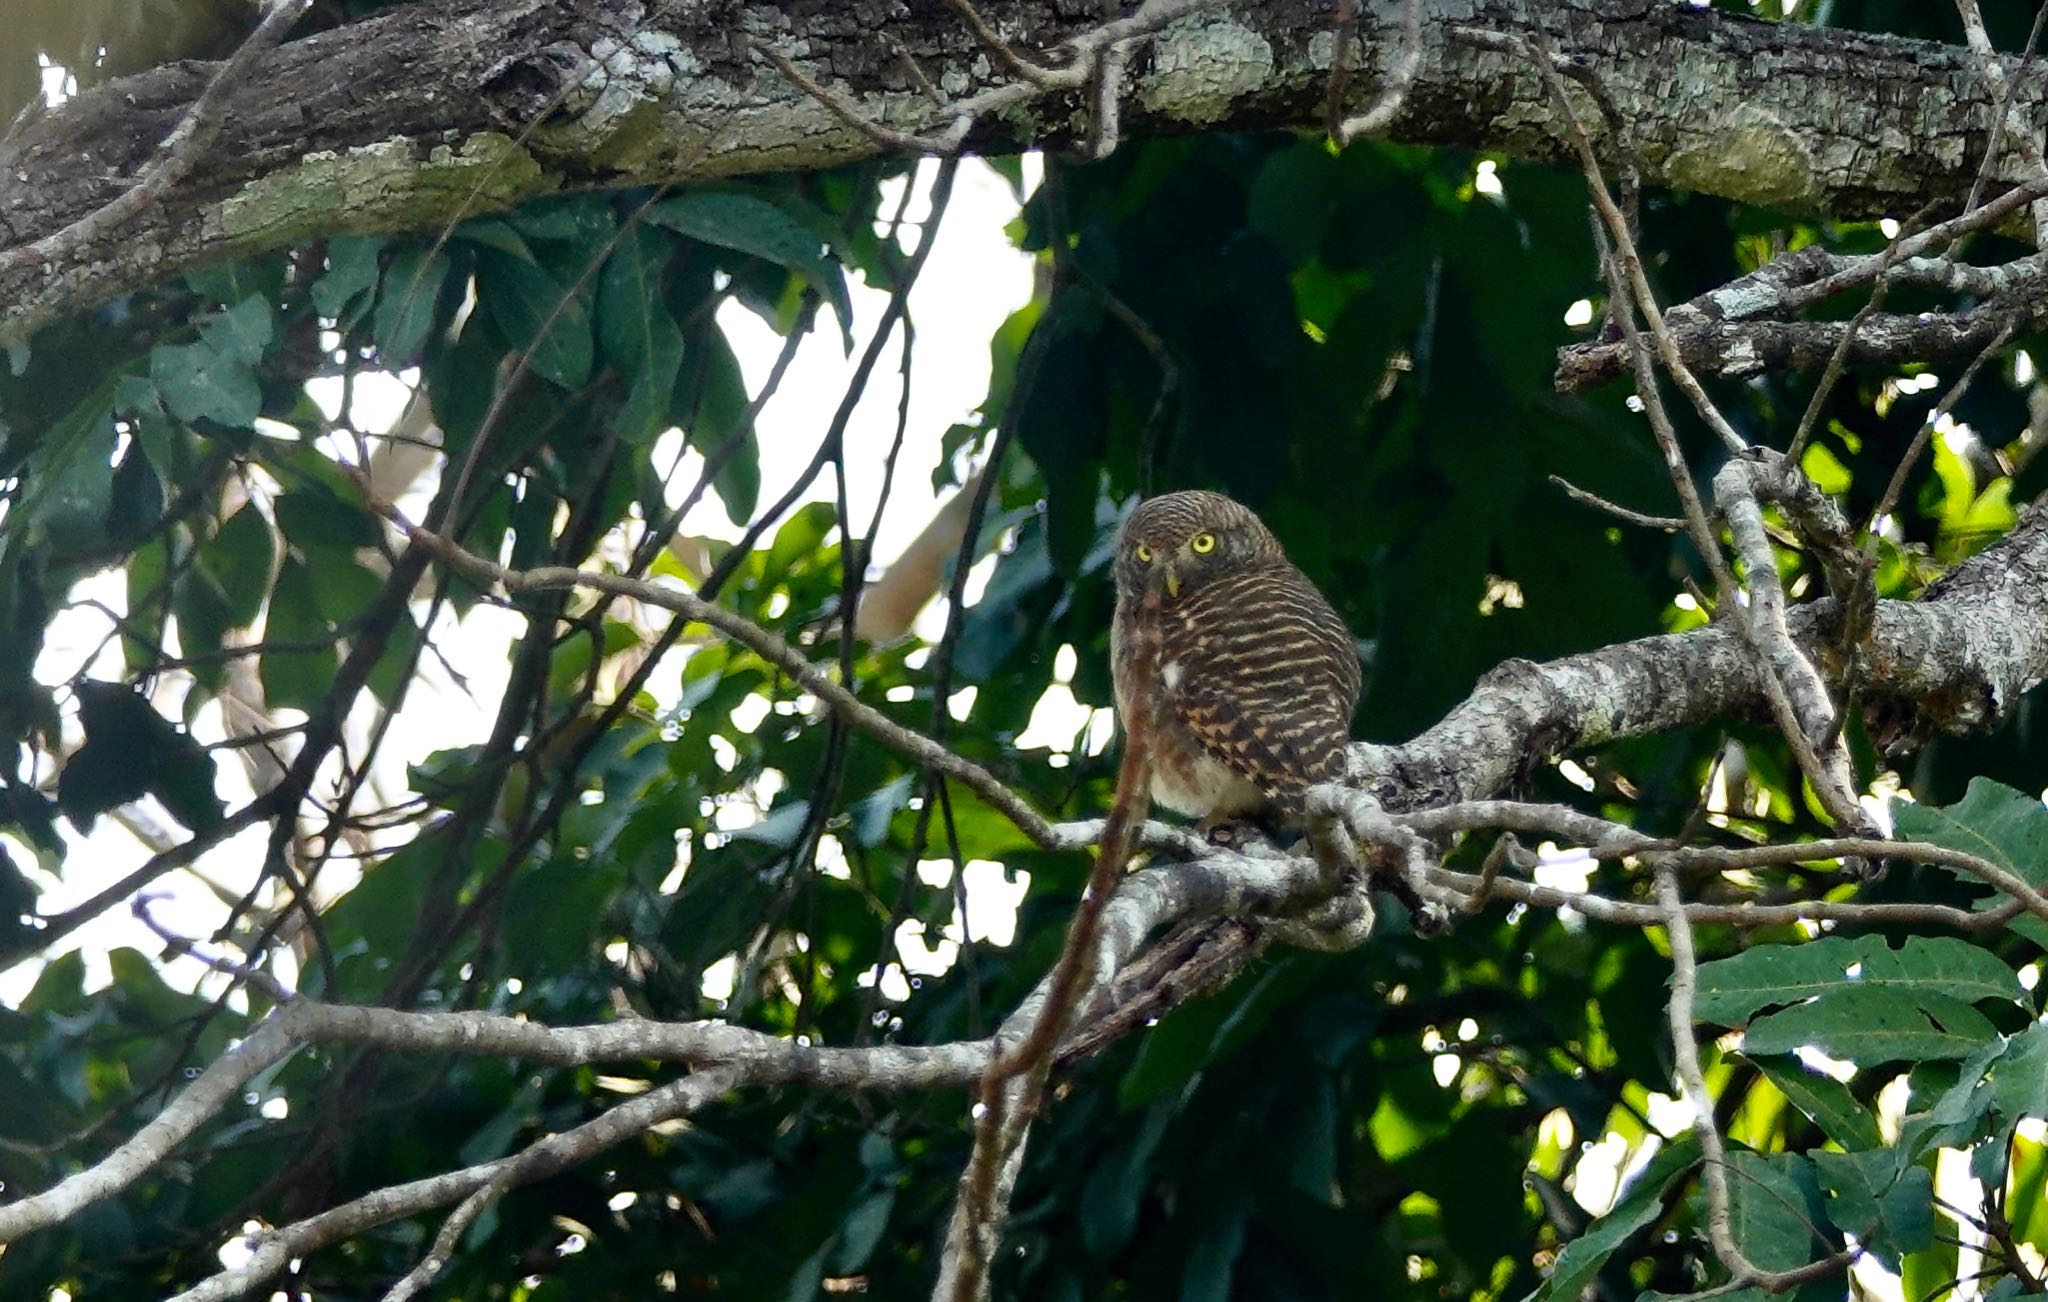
{"x": 1256, "y": 676}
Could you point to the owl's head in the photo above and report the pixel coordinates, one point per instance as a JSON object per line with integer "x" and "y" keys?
{"x": 1177, "y": 542}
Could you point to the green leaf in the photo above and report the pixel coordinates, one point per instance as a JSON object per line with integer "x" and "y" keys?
{"x": 70, "y": 479}
{"x": 1995, "y": 822}
{"x": 98, "y": 778}
{"x": 131, "y": 751}
{"x": 1211, "y": 1265}
{"x": 1825, "y": 1100}
{"x": 1581, "y": 1260}
{"x": 1172, "y": 1054}
{"x": 1957, "y": 1114}
{"x": 183, "y": 782}
{"x": 1825, "y": 469}
{"x": 1109, "y": 1201}
{"x": 231, "y": 282}
{"x": 238, "y": 559}
{"x": 1294, "y": 197}
{"x": 377, "y": 917}
{"x": 493, "y": 234}
{"x": 199, "y": 382}
{"x": 17, "y": 898}
{"x": 1930, "y": 1276}
{"x": 872, "y": 813}
{"x": 541, "y": 317}
{"x": 391, "y": 676}
{"x": 244, "y": 332}
{"x": 711, "y": 404}
{"x": 203, "y": 618}
{"x": 2019, "y": 1077}
{"x": 640, "y": 338}
{"x": 2027, "y": 1205}
{"x": 1872, "y": 1025}
{"x": 406, "y": 300}
{"x": 1775, "y": 1209}
{"x": 1732, "y": 989}
{"x": 751, "y": 224}
{"x": 142, "y": 637}
{"x": 632, "y": 316}
{"x": 1889, "y": 1210}
{"x": 297, "y": 679}
{"x": 780, "y": 828}
{"x": 135, "y": 502}
{"x": 862, "y": 1231}
{"x": 315, "y": 517}
{"x": 343, "y": 592}
{"x": 351, "y": 273}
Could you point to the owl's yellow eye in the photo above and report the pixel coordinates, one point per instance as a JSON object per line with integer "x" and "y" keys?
{"x": 1144, "y": 554}
{"x": 1203, "y": 543}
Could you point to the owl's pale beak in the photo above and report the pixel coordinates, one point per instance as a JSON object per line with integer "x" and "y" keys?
{"x": 1172, "y": 580}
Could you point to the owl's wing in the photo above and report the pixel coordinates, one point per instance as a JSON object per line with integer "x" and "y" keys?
{"x": 1250, "y": 741}
{"x": 1269, "y": 682}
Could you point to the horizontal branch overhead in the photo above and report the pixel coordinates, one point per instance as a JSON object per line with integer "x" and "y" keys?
{"x": 410, "y": 118}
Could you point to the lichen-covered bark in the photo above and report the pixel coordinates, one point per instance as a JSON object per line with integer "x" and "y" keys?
{"x": 1956, "y": 660}
{"x": 409, "y": 118}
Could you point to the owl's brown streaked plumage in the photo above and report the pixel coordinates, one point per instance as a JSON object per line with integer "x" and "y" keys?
{"x": 1256, "y": 677}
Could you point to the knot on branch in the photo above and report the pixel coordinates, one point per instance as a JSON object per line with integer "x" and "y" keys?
{"x": 537, "y": 86}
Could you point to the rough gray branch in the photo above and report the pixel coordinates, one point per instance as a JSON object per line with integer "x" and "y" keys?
{"x": 410, "y": 117}
{"x": 1740, "y": 328}
{"x": 1220, "y": 885}
{"x": 1955, "y": 660}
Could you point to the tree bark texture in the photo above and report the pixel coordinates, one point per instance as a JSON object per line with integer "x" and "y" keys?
{"x": 1956, "y": 660}
{"x": 409, "y": 119}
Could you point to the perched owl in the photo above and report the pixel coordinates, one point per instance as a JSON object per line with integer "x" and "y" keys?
{"x": 1257, "y": 676}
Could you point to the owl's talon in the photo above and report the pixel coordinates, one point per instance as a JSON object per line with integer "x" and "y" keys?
{"x": 1431, "y": 919}
{"x": 1342, "y": 922}
{"x": 1230, "y": 835}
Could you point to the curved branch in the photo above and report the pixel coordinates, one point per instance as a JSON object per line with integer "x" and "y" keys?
{"x": 905, "y": 741}
{"x": 1222, "y": 884}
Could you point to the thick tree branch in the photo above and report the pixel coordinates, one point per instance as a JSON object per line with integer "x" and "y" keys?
{"x": 1956, "y": 660}
{"x": 422, "y": 113}
{"x": 722, "y": 1057}
{"x": 1222, "y": 884}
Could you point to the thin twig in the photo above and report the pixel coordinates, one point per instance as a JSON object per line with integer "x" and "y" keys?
{"x": 2005, "y": 119}
{"x": 1832, "y": 372}
{"x": 1015, "y": 1080}
{"x": 1692, "y": 1079}
{"x": 1625, "y": 252}
{"x": 246, "y": 973}
{"x": 752, "y": 636}
{"x": 1666, "y": 523}
{"x": 1798, "y": 694}
{"x": 1006, "y": 53}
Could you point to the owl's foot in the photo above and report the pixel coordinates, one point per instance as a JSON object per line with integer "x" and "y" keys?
{"x": 1242, "y": 836}
{"x": 1426, "y": 917}
{"x": 1231, "y": 834}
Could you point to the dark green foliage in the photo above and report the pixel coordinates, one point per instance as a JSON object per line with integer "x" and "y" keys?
{"x": 131, "y": 751}
{"x": 1357, "y": 343}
